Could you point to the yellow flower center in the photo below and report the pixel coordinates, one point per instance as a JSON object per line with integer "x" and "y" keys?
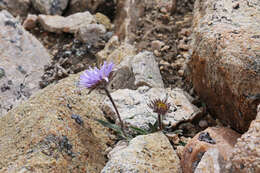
{"x": 162, "y": 106}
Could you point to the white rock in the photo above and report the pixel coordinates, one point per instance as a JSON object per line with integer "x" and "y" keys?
{"x": 151, "y": 153}
{"x": 70, "y": 24}
{"x": 22, "y": 59}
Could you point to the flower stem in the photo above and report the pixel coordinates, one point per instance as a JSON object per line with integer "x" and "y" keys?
{"x": 160, "y": 122}
{"x": 118, "y": 115}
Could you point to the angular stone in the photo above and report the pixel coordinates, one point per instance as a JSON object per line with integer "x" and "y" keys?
{"x": 16, "y": 7}
{"x": 210, "y": 162}
{"x": 151, "y": 153}
{"x": 146, "y": 70}
{"x": 221, "y": 138}
{"x": 132, "y": 105}
{"x": 55, "y": 131}
{"x": 84, "y": 5}
{"x": 70, "y": 24}
{"x": 50, "y": 7}
{"x": 104, "y": 20}
{"x": 30, "y": 22}
{"x": 91, "y": 34}
{"x": 22, "y": 60}
{"x": 115, "y": 51}
{"x": 246, "y": 155}
{"x": 225, "y": 61}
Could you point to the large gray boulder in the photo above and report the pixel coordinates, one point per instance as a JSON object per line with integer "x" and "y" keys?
{"x": 225, "y": 61}
{"x": 22, "y": 60}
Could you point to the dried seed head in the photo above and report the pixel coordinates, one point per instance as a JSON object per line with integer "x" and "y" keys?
{"x": 159, "y": 106}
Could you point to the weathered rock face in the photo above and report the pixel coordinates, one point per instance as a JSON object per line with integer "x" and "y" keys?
{"x": 70, "y": 24}
{"x": 222, "y": 139}
{"x": 225, "y": 62}
{"x": 210, "y": 162}
{"x": 245, "y": 157}
{"x": 55, "y": 131}
{"x": 16, "y": 7}
{"x": 132, "y": 105}
{"x": 22, "y": 59}
{"x": 52, "y": 7}
{"x": 150, "y": 153}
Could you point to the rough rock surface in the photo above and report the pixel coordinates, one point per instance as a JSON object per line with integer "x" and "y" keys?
{"x": 55, "y": 131}
{"x": 91, "y": 34}
{"x": 221, "y": 138}
{"x": 84, "y": 5}
{"x": 151, "y": 153}
{"x": 210, "y": 162}
{"x": 132, "y": 105}
{"x": 70, "y": 24}
{"x": 51, "y": 7}
{"x": 225, "y": 62}
{"x": 22, "y": 62}
{"x": 115, "y": 51}
{"x": 246, "y": 155}
{"x": 16, "y": 7}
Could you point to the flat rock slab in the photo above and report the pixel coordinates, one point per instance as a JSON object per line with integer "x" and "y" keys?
{"x": 70, "y": 24}
{"x": 22, "y": 58}
{"x": 225, "y": 61}
{"x": 133, "y": 108}
{"x": 55, "y": 131}
{"x": 151, "y": 153}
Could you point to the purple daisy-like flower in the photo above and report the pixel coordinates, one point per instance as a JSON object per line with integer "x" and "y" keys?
{"x": 92, "y": 77}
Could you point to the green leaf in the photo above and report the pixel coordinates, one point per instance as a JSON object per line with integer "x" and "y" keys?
{"x": 109, "y": 125}
{"x": 139, "y": 130}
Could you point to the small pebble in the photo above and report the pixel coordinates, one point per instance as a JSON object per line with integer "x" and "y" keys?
{"x": 203, "y": 123}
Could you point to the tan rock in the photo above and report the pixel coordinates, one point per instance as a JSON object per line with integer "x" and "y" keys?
{"x": 115, "y": 51}
{"x": 225, "y": 61}
{"x": 104, "y": 20}
{"x": 246, "y": 155}
{"x": 41, "y": 135}
{"x": 30, "y": 22}
{"x": 223, "y": 139}
{"x": 151, "y": 153}
{"x": 70, "y": 24}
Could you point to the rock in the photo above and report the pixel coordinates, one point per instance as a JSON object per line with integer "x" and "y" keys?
{"x": 30, "y": 22}
{"x": 104, "y": 20}
{"x": 145, "y": 153}
{"x": 129, "y": 11}
{"x": 246, "y": 154}
{"x": 84, "y": 5}
{"x": 70, "y": 24}
{"x": 146, "y": 70}
{"x": 227, "y": 76}
{"x": 16, "y": 7}
{"x": 210, "y": 162}
{"x": 50, "y": 7}
{"x": 41, "y": 135}
{"x": 203, "y": 123}
{"x": 115, "y": 51}
{"x": 91, "y": 34}
{"x": 22, "y": 61}
{"x": 157, "y": 45}
{"x": 222, "y": 139}
{"x": 132, "y": 105}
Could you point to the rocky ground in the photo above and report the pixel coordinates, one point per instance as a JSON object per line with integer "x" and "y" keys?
{"x": 162, "y": 48}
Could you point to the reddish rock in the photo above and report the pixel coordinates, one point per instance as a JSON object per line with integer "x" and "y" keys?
{"x": 225, "y": 61}
{"x": 246, "y": 155}
{"x": 223, "y": 139}
{"x": 30, "y": 21}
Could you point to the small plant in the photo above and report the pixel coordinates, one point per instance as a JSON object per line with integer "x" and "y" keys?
{"x": 161, "y": 107}
{"x": 98, "y": 79}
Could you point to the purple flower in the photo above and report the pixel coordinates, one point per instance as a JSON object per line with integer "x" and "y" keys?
{"x": 92, "y": 77}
